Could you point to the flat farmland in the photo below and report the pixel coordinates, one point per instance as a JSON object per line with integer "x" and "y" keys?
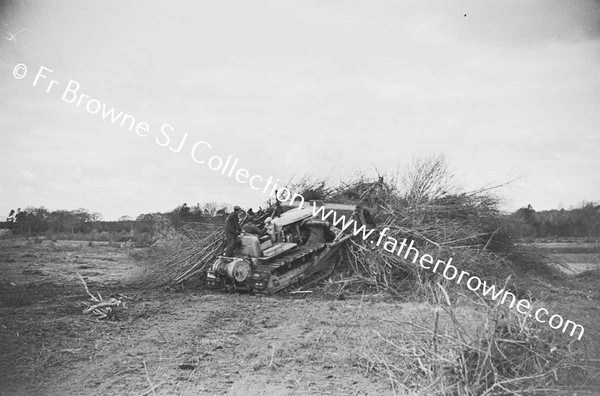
{"x": 186, "y": 341}
{"x": 173, "y": 340}
{"x": 572, "y": 258}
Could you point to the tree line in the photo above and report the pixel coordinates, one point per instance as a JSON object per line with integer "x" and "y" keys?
{"x": 39, "y": 220}
{"x": 64, "y": 223}
{"x": 582, "y": 221}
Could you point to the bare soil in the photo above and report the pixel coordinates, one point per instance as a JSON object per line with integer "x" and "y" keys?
{"x": 180, "y": 341}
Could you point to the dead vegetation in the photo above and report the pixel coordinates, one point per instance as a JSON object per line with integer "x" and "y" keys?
{"x": 425, "y": 206}
{"x": 509, "y": 353}
{"x": 178, "y": 262}
{"x": 99, "y": 307}
{"x": 512, "y": 354}
{"x": 494, "y": 352}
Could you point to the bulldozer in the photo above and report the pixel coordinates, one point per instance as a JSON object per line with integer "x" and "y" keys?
{"x": 298, "y": 250}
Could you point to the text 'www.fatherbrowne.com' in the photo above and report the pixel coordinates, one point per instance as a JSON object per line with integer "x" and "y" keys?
{"x": 406, "y": 250}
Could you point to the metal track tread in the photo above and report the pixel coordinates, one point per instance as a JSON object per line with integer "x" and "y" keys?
{"x": 290, "y": 257}
{"x": 313, "y": 267}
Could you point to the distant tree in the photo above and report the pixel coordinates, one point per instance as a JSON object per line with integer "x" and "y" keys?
{"x": 528, "y": 214}
{"x": 144, "y": 223}
{"x": 196, "y": 214}
{"x": 53, "y": 222}
{"x": 60, "y": 221}
{"x": 21, "y": 219}
{"x": 580, "y": 221}
{"x": 11, "y": 216}
{"x": 79, "y": 219}
{"x": 184, "y": 212}
{"x": 37, "y": 220}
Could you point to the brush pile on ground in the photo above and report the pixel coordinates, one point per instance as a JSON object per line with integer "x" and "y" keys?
{"x": 423, "y": 206}
{"x": 511, "y": 353}
{"x": 182, "y": 261}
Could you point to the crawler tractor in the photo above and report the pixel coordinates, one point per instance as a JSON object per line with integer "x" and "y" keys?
{"x": 297, "y": 251}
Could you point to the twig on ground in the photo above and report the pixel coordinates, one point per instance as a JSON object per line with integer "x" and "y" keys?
{"x": 149, "y": 380}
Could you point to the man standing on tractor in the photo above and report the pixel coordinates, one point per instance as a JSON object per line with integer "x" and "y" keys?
{"x": 232, "y": 228}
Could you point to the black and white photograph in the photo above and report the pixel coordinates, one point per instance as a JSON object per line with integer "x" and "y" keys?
{"x": 300, "y": 197}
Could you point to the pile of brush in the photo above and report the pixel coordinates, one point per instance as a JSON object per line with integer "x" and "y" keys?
{"x": 425, "y": 206}
{"x": 185, "y": 260}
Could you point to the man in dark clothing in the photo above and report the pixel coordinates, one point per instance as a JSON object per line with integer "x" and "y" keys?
{"x": 232, "y": 228}
{"x": 251, "y": 228}
{"x": 369, "y": 220}
{"x": 364, "y": 217}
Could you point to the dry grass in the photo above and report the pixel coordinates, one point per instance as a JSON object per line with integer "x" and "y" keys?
{"x": 495, "y": 353}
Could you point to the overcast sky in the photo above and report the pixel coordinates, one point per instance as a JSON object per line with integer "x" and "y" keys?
{"x": 506, "y": 89}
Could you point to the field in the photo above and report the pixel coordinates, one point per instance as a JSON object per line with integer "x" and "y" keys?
{"x": 572, "y": 258}
{"x": 187, "y": 342}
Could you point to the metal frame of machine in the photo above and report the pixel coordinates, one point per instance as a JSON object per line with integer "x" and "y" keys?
{"x": 299, "y": 249}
